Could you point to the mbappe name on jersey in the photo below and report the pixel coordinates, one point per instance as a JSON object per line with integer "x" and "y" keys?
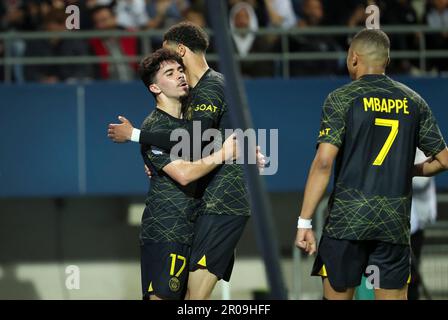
{"x": 386, "y": 105}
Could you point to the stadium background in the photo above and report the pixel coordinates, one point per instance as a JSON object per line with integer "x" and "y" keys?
{"x": 69, "y": 196}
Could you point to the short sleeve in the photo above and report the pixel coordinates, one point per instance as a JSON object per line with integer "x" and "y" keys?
{"x": 430, "y": 139}
{"x": 333, "y": 121}
{"x": 156, "y": 158}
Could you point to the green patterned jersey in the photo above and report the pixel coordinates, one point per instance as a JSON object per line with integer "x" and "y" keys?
{"x": 170, "y": 208}
{"x": 225, "y": 191}
{"x": 377, "y": 124}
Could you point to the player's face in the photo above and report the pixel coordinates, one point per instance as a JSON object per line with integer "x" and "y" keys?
{"x": 171, "y": 81}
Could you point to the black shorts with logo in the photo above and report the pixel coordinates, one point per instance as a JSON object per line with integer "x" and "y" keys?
{"x": 164, "y": 270}
{"x": 344, "y": 262}
{"x": 214, "y": 243}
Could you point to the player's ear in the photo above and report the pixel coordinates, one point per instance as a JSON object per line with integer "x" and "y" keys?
{"x": 181, "y": 50}
{"x": 154, "y": 89}
{"x": 355, "y": 59}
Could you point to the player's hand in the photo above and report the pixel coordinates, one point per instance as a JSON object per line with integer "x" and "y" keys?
{"x": 148, "y": 172}
{"x": 261, "y": 160}
{"x": 230, "y": 148}
{"x": 305, "y": 240}
{"x": 120, "y": 132}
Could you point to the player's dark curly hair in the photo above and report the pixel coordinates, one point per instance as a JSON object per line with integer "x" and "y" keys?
{"x": 188, "y": 34}
{"x": 150, "y": 64}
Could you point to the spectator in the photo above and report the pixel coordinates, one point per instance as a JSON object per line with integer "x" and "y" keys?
{"x": 131, "y": 14}
{"x": 242, "y": 17}
{"x": 29, "y": 14}
{"x": 400, "y": 12}
{"x": 281, "y": 13}
{"x": 243, "y": 24}
{"x": 91, "y": 4}
{"x": 56, "y": 47}
{"x": 195, "y": 16}
{"x": 437, "y": 17}
{"x": 104, "y": 19}
{"x": 13, "y": 18}
{"x": 196, "y": 13}
{"x": 33, "y": 16}
{"x": 351, "y": 13}
{"x": 13, "y": 14}
{"x": 260, "y": 10}
{"x": 313, "y": 16}
{"x": 165, "y": 13}
{"x": 397, "y": 12}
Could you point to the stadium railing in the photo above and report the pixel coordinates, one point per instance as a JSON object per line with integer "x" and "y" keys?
{"x": 284, "y": 56}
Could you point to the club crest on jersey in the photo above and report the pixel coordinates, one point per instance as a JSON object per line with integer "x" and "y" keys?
{"x": 174, "y": 284}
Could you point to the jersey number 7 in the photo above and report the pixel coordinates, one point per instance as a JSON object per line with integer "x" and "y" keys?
{"x": 393, "y": 124}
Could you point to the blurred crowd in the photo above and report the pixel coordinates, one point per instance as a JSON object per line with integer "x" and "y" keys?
{"x": 246, "y": 15}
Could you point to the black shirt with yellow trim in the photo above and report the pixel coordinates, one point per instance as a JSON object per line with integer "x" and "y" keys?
{"x": 377, "y": 124}
{"x": 171, "y": 209}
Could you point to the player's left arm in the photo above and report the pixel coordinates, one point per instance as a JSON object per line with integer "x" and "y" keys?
{"x": 431, "y": 142}
{"x": 433, "y": 165}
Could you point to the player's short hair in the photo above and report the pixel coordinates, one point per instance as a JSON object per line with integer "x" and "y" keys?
{"x": 188, "y": 34}
{"x": 374, "y": 44}
{"x": 150, "y": 64}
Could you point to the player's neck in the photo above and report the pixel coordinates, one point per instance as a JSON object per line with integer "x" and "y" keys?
{"x": 171, "y": 106}
{"x": 370, "y": 70}
{"x": 195, "y": 69}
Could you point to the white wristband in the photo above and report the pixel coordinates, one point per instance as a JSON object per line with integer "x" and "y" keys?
{"x": 135, "y": 136}
{"x": 304, "y": 223}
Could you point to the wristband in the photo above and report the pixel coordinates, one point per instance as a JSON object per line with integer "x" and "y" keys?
{"x": 135, "y": 136}
{"x": 304, "y": 223}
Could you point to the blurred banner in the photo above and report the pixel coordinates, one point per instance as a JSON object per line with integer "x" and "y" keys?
{"x": 54, "y": 137}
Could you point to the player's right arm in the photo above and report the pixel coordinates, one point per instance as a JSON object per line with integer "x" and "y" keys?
{"x": 316, "y": 185}
{"x": 331, "y": 135}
